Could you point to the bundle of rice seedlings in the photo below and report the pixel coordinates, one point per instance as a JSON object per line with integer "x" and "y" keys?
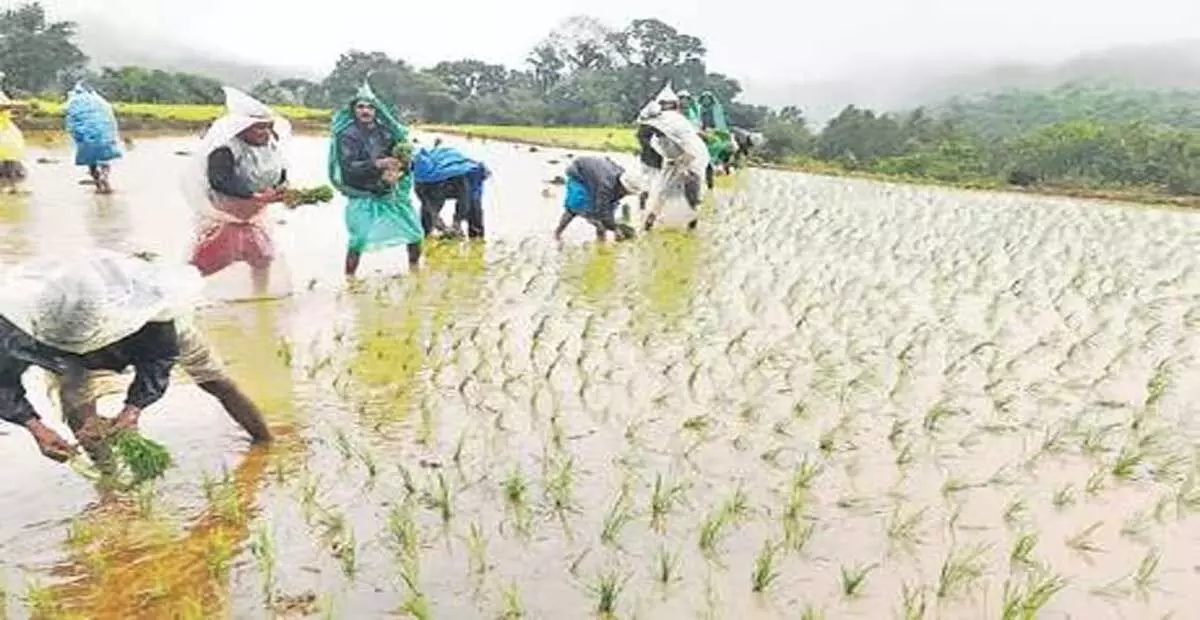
{"x": 317, "y": 195}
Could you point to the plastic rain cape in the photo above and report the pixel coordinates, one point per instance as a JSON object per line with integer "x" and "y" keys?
{"x": 12, "y": 141}
{"x": 666, "y": 95}
{"x": 683, "y": 152}
{"x": 438, "y": 164}
{"x": 374, "y": 222}
{"x": 241, "y": 111}
{"x": 84, "y": 302}
{"x": 93, "y": 125}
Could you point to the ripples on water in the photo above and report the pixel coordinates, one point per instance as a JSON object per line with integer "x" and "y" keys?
{"x": 912, "y": 383}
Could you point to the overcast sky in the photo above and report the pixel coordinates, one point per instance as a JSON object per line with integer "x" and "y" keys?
{"x": 757, "y": 40}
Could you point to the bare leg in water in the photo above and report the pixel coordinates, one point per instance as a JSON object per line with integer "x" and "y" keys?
{"x": 353, "y": 257}
{"x": 240, "y": 408}
{"x": 260, "y": 278}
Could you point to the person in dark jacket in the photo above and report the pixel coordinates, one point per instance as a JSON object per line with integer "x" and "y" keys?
{"x": 595, "y": 187}
{"x": 746, "y": 142}
{"x": 80, "y": 319}
{"x": 369, "y": 164}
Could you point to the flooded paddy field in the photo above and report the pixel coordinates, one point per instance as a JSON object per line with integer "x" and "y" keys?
{"x": 838, "y": 399}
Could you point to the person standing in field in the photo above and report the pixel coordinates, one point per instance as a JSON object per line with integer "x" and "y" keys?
{"x": 369, "y": 157}
{"x": 12, "y": 147}
{"x": 238, "y": 171}
{"x": 443, "y": 173}
{"x": 595, "y": 186}
{"x": 93, "y": 126}
{"x": 679, "y": 183}
{"x": 715, "y": 131}
{"x": 87, "y": 317}
{"x": 746, "y": 142}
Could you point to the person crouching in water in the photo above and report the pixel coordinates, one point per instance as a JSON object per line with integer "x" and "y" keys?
{"x": 595, "y": 187}
{"x": 12, "y": 146}
{"x": 368, "y": 163}
{"x": 237, "y": 173}
{"x": 685, "y": 161}
{"x": 443, "y": 173}
{"x": 746, "y": 142}
{"x": 101, "y": 313}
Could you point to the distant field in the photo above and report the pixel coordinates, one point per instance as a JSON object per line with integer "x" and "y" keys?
{"x": 598, "y": 138}
{"x": 147, "y": 114}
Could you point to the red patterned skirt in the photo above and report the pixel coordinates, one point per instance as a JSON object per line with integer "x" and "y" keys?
{"x": 222, "y": 245}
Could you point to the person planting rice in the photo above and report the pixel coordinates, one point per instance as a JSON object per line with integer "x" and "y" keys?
{"x": 651, "y": 159}
{"x": 745, "y": 141}
{"x": 236, "y": 173}
{"x": 368, "y": 162}
{"x": 595, "y": 186}
{"x": 685, "y": 159}
{"x": 93, "y": 126}
{"x": 443, "y": 173}
{"x": 715, "y": 131}
{"x": 12, "y": 147}
{"x": 85, "y": 317}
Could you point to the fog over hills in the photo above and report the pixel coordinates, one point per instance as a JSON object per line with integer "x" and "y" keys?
{"x": 108, "y": 45}
{"x": 1160, "y": 67}
{"x": 1168, "y": 66}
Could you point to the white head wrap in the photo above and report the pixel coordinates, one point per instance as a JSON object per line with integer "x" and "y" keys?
{"x": 241, "y": 112}
{"x": 84, "y": 303}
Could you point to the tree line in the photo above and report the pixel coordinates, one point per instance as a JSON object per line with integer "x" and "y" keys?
{"x": 586, "y": 73}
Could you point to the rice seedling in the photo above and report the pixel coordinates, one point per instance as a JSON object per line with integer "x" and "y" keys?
{"x": 516, "y": 491}
{"x": 664, "y": 498}
{"x": 854, "y": 579}
{"x": 1145, "y": 578}
{"x": 1082, "y": 541}
{"x": 765, "y": 572}
{"x": 712, "y": 529}
{"x": 619, "y": 515}
{"x": 1026, "y": 600}
{"x": 513, "y": 608}
{"x": 559, "y": 486}
{"x": 262, "y": 547}
{"x": 218, "y": 555}
{"x": 913, "y": 603}
{"x": 666, "y": 567}
{"x": 905, "y": 529}
{"x": 1021, "y": 555}
{"x": 812, "y": 613}
{"x": 607, "y": 590}
{"x": 961, "y": 570}
{"x": 42, "y": 601}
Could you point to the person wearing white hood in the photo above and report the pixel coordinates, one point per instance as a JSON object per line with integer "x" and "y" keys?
{"x": 86, "y": 316}
{"x": 685, "y": 160}
{"x": 238, "y": 171}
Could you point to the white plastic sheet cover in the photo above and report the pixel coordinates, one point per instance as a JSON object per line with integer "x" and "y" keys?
{"x": 683, "y": 152}
{"x": 81, "y": 303}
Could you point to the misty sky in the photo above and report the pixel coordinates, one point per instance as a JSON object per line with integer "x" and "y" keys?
{"x": 758, "y": 40}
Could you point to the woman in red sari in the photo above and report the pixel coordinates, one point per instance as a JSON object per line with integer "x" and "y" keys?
{"x": 239, "y": 171}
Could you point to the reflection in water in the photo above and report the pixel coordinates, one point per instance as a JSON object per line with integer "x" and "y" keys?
{"x": 118, "y": 570}
{"x": 125, "y": 563}
{"x": 400, "y": 330}
{"x": 15, "y": 240}
{"x": 108, "y": 221}
{"x": 591, "y": 271}
{"x": 669, "y": 277}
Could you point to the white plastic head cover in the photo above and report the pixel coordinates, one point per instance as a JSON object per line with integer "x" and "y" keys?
{"x": 241, "y": 112}
{"x": 633, "y": 182}
{"x": 84, "y": 303}
{"x": 676, "y": 129}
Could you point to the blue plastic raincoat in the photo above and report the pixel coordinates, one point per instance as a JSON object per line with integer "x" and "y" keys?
{"x": 93, "y": 125}
{"x": 372, "y": 221}
{"x": 441, "y": 163}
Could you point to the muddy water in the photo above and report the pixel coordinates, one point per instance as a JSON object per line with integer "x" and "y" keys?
{"x": 862, "y": 377}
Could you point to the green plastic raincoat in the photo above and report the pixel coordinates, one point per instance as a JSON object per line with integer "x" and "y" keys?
{"x": 373, "y": 221}
{"x": 710, "y": 116}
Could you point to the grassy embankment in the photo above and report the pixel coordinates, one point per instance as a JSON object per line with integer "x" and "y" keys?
{"x": 48, "y": 116}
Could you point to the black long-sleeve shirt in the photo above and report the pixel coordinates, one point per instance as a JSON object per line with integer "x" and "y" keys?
{"x": 223, "y": 176}
{"x": 152, "y": 351}
{"x": 360, "y": 146}
{"x": 602, "y": 176}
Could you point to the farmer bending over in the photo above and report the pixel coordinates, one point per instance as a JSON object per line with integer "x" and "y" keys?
{"x": 99, "y": 314}
{"x": 443, "y": 173}
{"x": 595, "y": 186}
